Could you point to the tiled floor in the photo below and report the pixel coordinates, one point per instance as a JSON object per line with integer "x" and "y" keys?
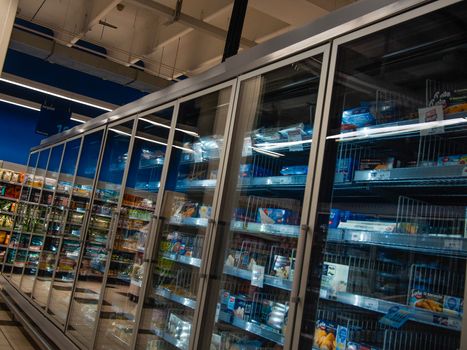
{"x": 12, "y": 335}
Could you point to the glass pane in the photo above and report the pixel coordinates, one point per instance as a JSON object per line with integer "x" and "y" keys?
{"x": 49, "y": 251}
{"x": 125, "y": 278}
{"x": 72, "y": 201}
{"x": 15, "y": 246}
{"x": 392, "y": 271}
{"x": 273, "y": 138}
{"x": 32, "y": 225}
{"x": 10, "y": 190}
{"x": 173, "y": 280}
{"x": 103, "y": 218}
{"x": 52, "y": 264}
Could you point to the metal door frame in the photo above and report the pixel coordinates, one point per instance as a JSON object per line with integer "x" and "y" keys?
{"x": 208, "y": 310}
{"x": 111, "y": 233}
{"x": 383, "y": 24}
{"x": 86, "y": 218}
{"x": 153, "y": 226}
{"x": 48, "y": 218}
{"x": 78, "y": 157}
{"x": 18, "y": 287}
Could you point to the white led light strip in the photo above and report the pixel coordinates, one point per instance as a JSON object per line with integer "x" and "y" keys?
{"x": 20, "y": 105}
{"x": 54, "y": 94}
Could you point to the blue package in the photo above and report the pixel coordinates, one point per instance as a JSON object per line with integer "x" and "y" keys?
{"x": 294, "y": 170}
{"x": 344, "y": 169}
{"x": 272, "y": 216}
{"x": 357, "y": 118}
{"x": 334, "y": 218}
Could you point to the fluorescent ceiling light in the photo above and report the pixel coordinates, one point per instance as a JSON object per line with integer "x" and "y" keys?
{"x": 149, "y": 140}
{"x": 367, "y": 133}
{"x": 146, "y": 139}
{"x": 120, "y": 132}
{"x": 20, "y": 105}
{"x": 54, "y": 94}
{"x": 191, "y": 133}
{"x": 77, "y": 120}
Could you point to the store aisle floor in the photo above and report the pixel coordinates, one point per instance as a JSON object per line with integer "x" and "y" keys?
{"x": 12, "y": 334}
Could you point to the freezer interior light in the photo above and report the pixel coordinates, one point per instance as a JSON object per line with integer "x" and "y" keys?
{"x": 394, "y": 130}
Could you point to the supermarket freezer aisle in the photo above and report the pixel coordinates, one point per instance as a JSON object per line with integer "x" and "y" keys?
{"x": 12, "y": 334}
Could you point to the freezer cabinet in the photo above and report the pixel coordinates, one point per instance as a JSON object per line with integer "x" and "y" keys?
{"x": 388, "y": 258}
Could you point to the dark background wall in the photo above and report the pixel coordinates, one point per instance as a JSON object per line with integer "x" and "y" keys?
{"x": 18, "y": 124}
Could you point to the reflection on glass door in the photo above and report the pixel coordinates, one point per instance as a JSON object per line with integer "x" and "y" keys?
{"x": 172, "y": 291}
{"x": 127, "y": 264}
{"x": 98, "y": 238}
{"x": 393, "y": 217}
{"x": 72, "y": 199}
{"x": 263, "y": 206}
{"x": 32, "y": 222}
{"x": 49, "y": 249}
{"x": 10, "y": 265}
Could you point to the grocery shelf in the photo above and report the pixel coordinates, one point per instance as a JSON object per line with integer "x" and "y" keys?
{"x": 11, "y": 199}
{"x": 183, "y": 221}
{"x": 432, "y": 174}
{"x": 196, "y": 184}
{"x": 170, "y": 339}
{"x": 187, "y": 260}
{"x": 268, "y": 280}
{"x": 435, "y": 244}
{"x": 383, "y": 306}
{"x": 287, "y": 181}
{"x": 140, "y": 219}
{"x": 271, "y": 229}
{"x": 121, "y": 262}
{"x": 254, "y": 328}
{"x": 168, "y": 294}
{"x": 102, "y": 215}
{"x": 10, "y": 182}
{"x": 137, "y": 207}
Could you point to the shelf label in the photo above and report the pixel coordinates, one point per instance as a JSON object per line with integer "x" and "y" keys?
{"x": 198, "y": 152}
{"x": 371, "y": 304}
{"x": 295, "y": 136}
{"x": 257, "y": 276}
{"x": 428, "y": 115}
{"x": 380, "y": 175}
{"x": 247, "y": 151}
{"x": 455, "y": 244}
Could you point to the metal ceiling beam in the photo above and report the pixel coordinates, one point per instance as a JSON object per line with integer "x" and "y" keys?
{"x": 97, "y": 11}
{"x": 190, "y": 21}
{"x": 330, "y": 5}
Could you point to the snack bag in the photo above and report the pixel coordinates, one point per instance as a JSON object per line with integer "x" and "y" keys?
{"x": 325, "y": 336}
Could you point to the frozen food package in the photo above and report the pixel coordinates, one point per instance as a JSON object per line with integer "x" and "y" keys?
{"x": 272, "y": 216}
{"x": 334, "y": 278}
{"x": 325, "y": 335}
{"x": 357, "y": 118}
{"x": 294, "y": 170}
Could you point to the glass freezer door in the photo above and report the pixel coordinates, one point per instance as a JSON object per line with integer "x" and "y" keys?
{"x": 98, "y": 238}
{"x": 33, "y": 226}
{"x": 15, "y": 247}
{"x": 172, "y": 291}
{"x": 389, "y": 256}
{"x": 264, "y": 200}
{"x": 72, "y": 197}
{"x": 129, "y": 254}
{"x": 49, "y": 250}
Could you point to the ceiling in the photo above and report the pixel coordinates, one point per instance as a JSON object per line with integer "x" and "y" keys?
{"x": 148, "y": 34}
